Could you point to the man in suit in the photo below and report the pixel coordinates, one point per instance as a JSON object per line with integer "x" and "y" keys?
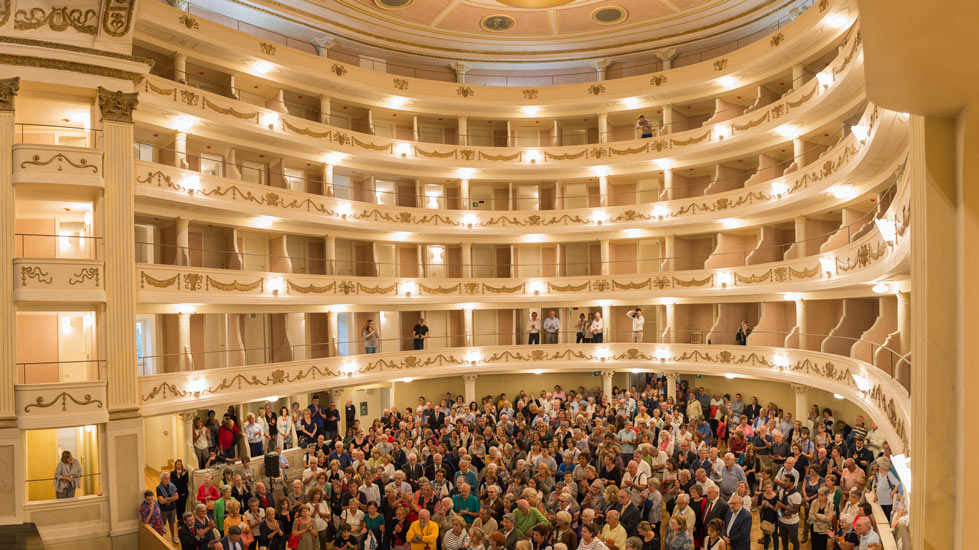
{"x": 233, "y": 540}
{"x": 413, "y": 470}
{"x": 715, "y": 508}
{"x": 350, "y": 413}
{"x": 737, "y": 530}
{"x": 629, "y": 514}
{"x": 510, "y": 532}
{"x": 187, "y": 534}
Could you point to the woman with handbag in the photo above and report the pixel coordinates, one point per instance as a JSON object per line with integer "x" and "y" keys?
{"x": 271, "y": 536}
{"x": 766, "y": 503}
{"x": 321, "y": 515}
{"x": 304, "y": 536}
{"x": 821, "y": 518}
{"x": 254, "y": 517}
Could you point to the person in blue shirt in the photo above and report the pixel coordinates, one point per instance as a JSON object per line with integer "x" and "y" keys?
{"x": 318, "y": 414}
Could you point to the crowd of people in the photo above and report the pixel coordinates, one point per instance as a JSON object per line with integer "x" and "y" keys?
{"x": 561, "y": 470}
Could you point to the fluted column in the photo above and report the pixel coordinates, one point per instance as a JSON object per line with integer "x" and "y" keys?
{"x": 904, "y": 321}
{"x": 180, "y": 150}
{"x": 607, "y": 376}
{"x": 460, "y": 69}
{"x": 8, "y": 313}
{"x": 328, "y": 180}
{"x": 470, "y": 392}
{"x": 120, "y": 264}
{"x": 186, "y": 451}
{"x": 803, "y": 323}
{"x": 467, "y": 321}
{"x": 603, "y": 127}
{"x": 601, "y": 68}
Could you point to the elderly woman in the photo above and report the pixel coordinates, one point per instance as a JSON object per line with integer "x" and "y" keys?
{"x": 678, "y": 537}
{"x": 456, "y": 538}
{"x": 590, "y": 540}
{"x": 563, "y": 533}
{"x": 67, "y": 476}
{"x": 887, "y": 484}
{"x": 304, "y": 529}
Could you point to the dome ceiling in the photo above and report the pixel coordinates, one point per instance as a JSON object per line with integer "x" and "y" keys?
{"x": 491, "y": 30}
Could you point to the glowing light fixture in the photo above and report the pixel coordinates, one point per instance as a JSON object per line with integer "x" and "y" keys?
{"x": 474, "y": 357}
{"x": 191, "y": 182}
{"x": 838, "y": 396}
{"x": 860, "y": 132}
{"x": 724, "y": 278}
{"x": 344, "y": 209}
{"x": 790, "y": 131}
{"x": 262, "y": 67}
{"x": 600, "y": 171}
{"x": 662, "y": 354}
{"x": 667, "y": 301}
{"x": 269, "y": 119}
{"x": 397, "y": 102}
{"x": 881, "y": 288}
{"x": 186, "y": 309}
{"x": 531, "y": 110}
{"x": 780, "y": 361}
{"x": 264, "y": 222}
{"x": 660, "y": 211}
{"x": 196, "y": 385}
{"x": 334, "y": 158}
{"x": 863, "y": 383}
{"x": 276, "y": 285}
{"x": 402, "y": 149}
{"x": 727, "y": 82}
{"x": 631, "y": 102}
{"x": 408, "y": 288}
{"x": 731, "y": 223}
{"x": 779, "y": 188}
{"x": 722, "y": 131}
{"x": 184, "y": 123}
{"x": 792, "y": 296}
{"x": 470, "y": 219}
{"x": 836, "y": 21}
{"x": 466, "y": 173}
{"x": 824, "y": 79}
{"x": 887, "y": 229}
{"x": 399, "y": 236}
{"x": 602, "y": 354}
{"x": 826, "y": 265}
{"x": 599, "y": 217}
{"x": 664, "y": 164}
{"x": 533, "y": 155}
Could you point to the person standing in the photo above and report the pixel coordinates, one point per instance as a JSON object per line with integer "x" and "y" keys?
{"x": 370, "y": 337}
{"x": 423, "y": 533}
{"x": 581, "y": 328}
{"x": 166, "y": 499}
{"x": 349, "y": 413}
{"x": 202, "y": 442}
{"x": 742, "y": 336}
{"x": 533, "y": 328}
{"x": 67, "y": 476}
{"x": 419, "y": 334}
{"x": 737, "y": 531}
{"x": 597, "y": 329}
{"x": 255, "y": 435}
{"x": 638, "y": 321}
{"x": 552, "y": 327}
{"x": 645, "y": 129}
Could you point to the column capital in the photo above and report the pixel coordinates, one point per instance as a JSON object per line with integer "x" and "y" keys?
{"x": 460, "y": 67}
{"x": 904, "y": 297}
{"x": 117, "y": 106}
{"x": 600, "y": 64}
{"x": 323, "y": 44}
{"x": 470, "y": 378}
{"x": 186, "y": 416}
{"x": 8, "y": 89}
{"x": 665, "y": 54}
{"x": 608, "y": 374}
{"x": 671, "y": 376}
{"x": 799, "y": 390}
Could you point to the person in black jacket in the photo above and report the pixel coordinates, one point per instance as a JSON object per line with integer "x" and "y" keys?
{"x": 742, "y": 336}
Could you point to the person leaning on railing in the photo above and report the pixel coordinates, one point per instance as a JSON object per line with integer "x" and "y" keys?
{"x": 67, "y": 476}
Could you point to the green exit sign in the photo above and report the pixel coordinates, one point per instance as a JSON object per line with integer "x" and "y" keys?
{"x": 596, "y": 373}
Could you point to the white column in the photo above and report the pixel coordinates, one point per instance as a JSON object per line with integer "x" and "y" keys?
{"x": 667, "y": 184}
{"x": 460, "y": 69}
{"x": 669, "y": 243}
{"x": 330, "y": 251}
{"x": 600, "y": 66}
{"x": 470, "y": 392}
{"x": 296, "y": 331}
{"x": 279, "y": 103}
{"x": 668, "y": 119}
{"x": 183, "y": 341}
{"x": 556, "y": 134}
{"x": 180, "y": 150}
{"x": 670, "y": 323}
{"x": 603, "y": 127}
{"x": 8, "y": 312}
{"x": 182, "y": 256}
{"x": 607, "y": 376}
{"x": 904, "y": 321}
{"x": 323, "y": 45}
{"x": 671, "y": 385}
{"x": 414, "y": 128}
{"x": 233, "y": 87}
{"x": 333, "y": 332}
{"x": 467, "y": 326}
{"x": 798, "y": 75}
{"x": 798, "y": 152}
{"x": 800, "y": 236}
{"x": 666, "y": 55}
{"x": 186, "y": 420}
{"x": 802, "y": 323}
{"x": 605, "y": 256}
{"x": 464, "y": 195}
{"x": 603, "y": 190}
{"x": 462, "y": 129}
{"x": 370, "y": 121}
{"x": 801, "y": 401}
{"x": 336, "y": 396}
{"x": 325, "y": 109}
{"x": 467, "y": 259}
{"x": 607, "y": 317}
{"x": 180, "y": 68}
{"x": 328, "y": 180}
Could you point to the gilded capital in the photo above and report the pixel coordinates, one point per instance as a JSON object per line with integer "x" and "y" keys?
{"x": 471, "y": 378}
{"x": 117, "y": 106}
{"x": 8, "y": 89}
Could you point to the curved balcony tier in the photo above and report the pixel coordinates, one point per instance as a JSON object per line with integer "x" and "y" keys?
{"x": 860, "y": 165}
{"x": 870, "y": 387}
{"x": 811, "y": 107}
{"x": 816, "y": 30}
{"x": 881, "y": 249}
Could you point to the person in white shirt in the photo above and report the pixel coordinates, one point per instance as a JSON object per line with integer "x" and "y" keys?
{"x": 597, "y": 329}
{"x": 533, "y": 327}
{"x": 638, "y": 321}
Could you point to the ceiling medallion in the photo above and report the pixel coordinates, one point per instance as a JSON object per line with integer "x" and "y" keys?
{"x": 535, "y": 3}
{"x": 394, "y": 4}
{"x": 608, "y": 15}
{"x": 498, "y": 23}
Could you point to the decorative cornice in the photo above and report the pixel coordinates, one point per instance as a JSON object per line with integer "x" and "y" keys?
{"x": 70, "y": 48}
{"x": 72, "y": 66}
{"x": 117, "y": 106}
{"x": 8, "y": 89}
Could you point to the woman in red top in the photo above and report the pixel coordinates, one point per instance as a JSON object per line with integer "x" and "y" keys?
{"x": 226, "y": 437}
{"x": 207, "y": 495}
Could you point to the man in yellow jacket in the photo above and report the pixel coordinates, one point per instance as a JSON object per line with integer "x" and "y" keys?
{"x": 423, "y": 533}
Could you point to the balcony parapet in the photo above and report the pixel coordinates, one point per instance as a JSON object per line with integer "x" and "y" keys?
{"x": 57, "y": 164}
{"x": 58, "y": 280}
{"x": 44, "y": 406}
{"x": 869, "y": 387}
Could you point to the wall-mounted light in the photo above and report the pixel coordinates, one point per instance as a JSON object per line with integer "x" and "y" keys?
{"x": 824, "y": 79}
{"x": 662, "y": 354}
{"x": 826, "y": 265}
{"x": 602, "y": 354}
{"x": 397, "y": 102}
{"x": 534, "y": 238}
{"x": 436, "y": 254}
{"x": 191, "y": 183}
{"x": 780, "y": 361}
{"x": 399, "y": 236}
{"x": 337, "y": 308}
{"x": 790, "y": 131}
{"x": 724, "y": 278}
{"x": 334, "y": 158}
{"x": 792, "y": 296}
{"x": 837, "y": 21}
{"x": 184, "y": 123}
{"x": 668, "y": 301}
{"x": 860, "y": 132}
{"x": 838, "y": 396}
{"x": 600, "y": 171}
{"x": 408, "y": 288}
{"x": 468, "y": 306}
{"x": 633, "y": 233}
{"x": 779, "y": 189}
{"x": 863, "y": 383}
{"x": 349, "y": 368}
{"x": 880, "y": 288}
{"x": 538, "y": 371}
{"x": 531, "y": 110}
{"x": 186, "y": 309}
{"x": 535, "y": 287}
{"x": 88, "y": 219}
{"x": 433, "y": 201}
{"x": 269, "y": 120}
{"x": 599, "y": 217}
{"x": 843, "y": 192}
{"x": 264, "y": 222}
{"x": 466, "y": 173}
{"x": 276, "y": 285}
{"x": 732, "y": 223}
{"x": 405, "y": 380}
{"x": 196, "y": 385}
{"x": 344, "y": 209}
{"x": 88, "y": 321}
{"x": 631, "y": 102}
{"x": 664, "y": 164}
{"x": 402, "y": 149}
{"x": 887, "y": 230}
{"x": 660, "y": 211}
{"x": 533, "y": 156}
{"x": 66, "y": 327}
{"x": 727, "y": 82}
{"x": 470, "y": 220}
{"x": 722, "y": 131}
{"x": 262, "y": 67}
{"x": 474, "y": 357}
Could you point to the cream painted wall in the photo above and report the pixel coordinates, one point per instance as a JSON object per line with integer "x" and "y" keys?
{"x": 159, "y": 433}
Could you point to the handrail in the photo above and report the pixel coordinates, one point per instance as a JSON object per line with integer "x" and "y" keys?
{"x": 99, "y": 365}
{"x": 412, "y": 71}
{"x": 22, "y": 131}
{"x": 94, "y": 252}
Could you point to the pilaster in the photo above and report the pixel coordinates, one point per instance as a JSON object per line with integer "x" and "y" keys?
{"x": 8, "y": 313}
{"x": 671, "y": 385}
{"x": 470, "y": 392}
{"x": 607, "y": 376}
{"x": 120, "y": 328}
